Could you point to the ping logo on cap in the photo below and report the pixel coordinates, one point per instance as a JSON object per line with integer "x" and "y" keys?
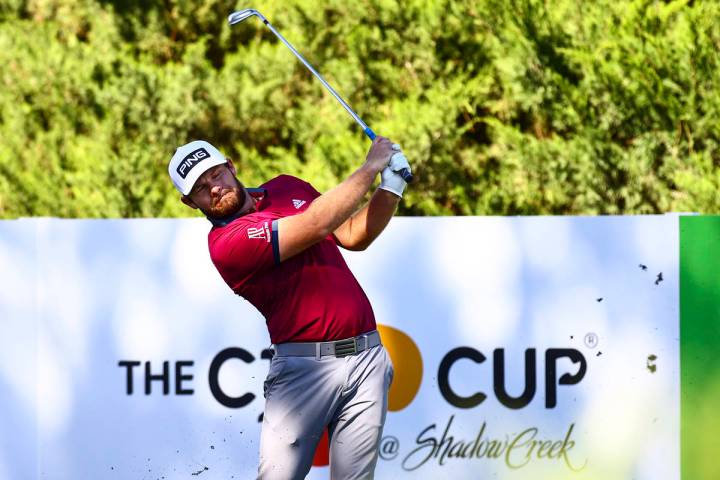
{"x": 192, "y": 159}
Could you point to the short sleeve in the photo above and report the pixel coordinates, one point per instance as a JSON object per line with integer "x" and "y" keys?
{"x": 292, "y": 184}
{"x": 311, "y": 190}
{"x": 244, "y": 248}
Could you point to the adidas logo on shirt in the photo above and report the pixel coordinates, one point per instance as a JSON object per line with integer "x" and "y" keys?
{"x": 298, "y": 203}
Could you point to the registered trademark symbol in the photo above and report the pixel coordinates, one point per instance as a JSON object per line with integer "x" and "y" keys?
{"x": 389, "y": 447}
{"x": 591, "y": 340}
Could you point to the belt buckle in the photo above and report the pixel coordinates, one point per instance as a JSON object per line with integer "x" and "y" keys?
{"x": 343, "y": 348}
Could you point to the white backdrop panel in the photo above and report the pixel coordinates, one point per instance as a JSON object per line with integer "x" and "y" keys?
{"x": 79, "y": 296}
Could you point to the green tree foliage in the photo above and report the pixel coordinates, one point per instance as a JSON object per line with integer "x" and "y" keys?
{"x": 502, "y": 106}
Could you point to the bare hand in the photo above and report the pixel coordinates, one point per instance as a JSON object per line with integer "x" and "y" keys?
{"x": 380, "y": 153}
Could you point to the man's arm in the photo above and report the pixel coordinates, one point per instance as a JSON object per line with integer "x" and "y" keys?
{"x": 330, "y": 210}
{"x": 361, "y": 229}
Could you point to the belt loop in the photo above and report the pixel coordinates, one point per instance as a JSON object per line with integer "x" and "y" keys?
{"x": 317, "y": 350}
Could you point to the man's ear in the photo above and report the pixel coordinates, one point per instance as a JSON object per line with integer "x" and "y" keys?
{"x": 186, "y": 200}
{"x": 231, "y": 166}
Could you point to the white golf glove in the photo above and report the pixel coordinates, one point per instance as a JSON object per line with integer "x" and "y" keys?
{"x": 389, "y": 179}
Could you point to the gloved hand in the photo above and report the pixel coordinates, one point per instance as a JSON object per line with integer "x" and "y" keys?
{"x": 391, "y": 181}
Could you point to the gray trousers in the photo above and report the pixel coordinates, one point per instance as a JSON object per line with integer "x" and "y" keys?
{"x": 303, "y": 395}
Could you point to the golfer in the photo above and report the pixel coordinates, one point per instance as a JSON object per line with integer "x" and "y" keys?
{"x": 277, "y": 246}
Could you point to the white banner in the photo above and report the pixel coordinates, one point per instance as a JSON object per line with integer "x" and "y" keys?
{"x": 540, "y": 348}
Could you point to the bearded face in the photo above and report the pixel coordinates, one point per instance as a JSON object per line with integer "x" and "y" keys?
{"x": 228, "y": 201}
{"x": 218, "y": 193}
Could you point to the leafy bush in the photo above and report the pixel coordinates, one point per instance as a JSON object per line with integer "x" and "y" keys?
{"x": 503, "y": 107}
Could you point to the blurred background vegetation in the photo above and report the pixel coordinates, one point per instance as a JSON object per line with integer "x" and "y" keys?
{"x": 504, "y": 107}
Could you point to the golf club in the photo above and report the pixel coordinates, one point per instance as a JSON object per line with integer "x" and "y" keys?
{"x": 241, "y": 15}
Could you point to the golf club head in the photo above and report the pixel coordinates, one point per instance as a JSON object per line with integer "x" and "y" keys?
{"x": 240, "y": 15}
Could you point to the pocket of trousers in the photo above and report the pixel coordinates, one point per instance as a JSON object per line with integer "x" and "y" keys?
{"x": 277, "y": 366}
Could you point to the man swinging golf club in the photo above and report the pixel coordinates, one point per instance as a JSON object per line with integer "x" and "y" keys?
{"x": 277, "y": 246}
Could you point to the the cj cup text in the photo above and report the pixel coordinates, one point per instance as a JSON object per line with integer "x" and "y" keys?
{"x": 181, "y": 378}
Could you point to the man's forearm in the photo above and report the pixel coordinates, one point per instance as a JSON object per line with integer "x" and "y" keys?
{"x": 335, "y": 206}
{"x": 326, "y": 213}
{"x": 367, "y": 224}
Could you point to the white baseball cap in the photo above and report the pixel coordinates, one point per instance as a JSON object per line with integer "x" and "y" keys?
{"x": 190, "y": 161}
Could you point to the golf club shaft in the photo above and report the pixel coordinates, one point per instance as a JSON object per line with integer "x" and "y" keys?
{"x": 405, "y": 173}
{"x": 354, "y": 115}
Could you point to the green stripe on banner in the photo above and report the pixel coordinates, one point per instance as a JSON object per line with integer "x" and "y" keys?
{"x": 700, "y": 346}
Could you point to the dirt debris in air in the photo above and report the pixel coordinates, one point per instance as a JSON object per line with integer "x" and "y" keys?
{"x": 599, "y": 299}
{"x": 659, "y": 279}
{"x": 651, "y": 363}
{"x": 200, "y": 471}
{"x": 642, "y": 267}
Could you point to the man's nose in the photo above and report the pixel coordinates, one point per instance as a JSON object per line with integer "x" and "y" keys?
{"x": 215, "y": 190}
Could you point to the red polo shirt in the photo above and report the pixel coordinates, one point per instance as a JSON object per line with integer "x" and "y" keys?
{"x": 312, "y": 296}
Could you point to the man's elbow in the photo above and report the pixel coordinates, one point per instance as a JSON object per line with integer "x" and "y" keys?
{"x": 353, "y": 246}
{"x": 361, "y": 245}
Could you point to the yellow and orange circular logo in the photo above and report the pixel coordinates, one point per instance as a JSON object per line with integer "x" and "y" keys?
{"x": 408, "y": 365}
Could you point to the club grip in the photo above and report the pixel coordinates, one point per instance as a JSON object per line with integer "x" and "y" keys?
{"x": 406, "y": 175}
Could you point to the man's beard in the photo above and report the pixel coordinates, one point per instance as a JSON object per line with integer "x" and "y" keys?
{"x": 230, "y": 202}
